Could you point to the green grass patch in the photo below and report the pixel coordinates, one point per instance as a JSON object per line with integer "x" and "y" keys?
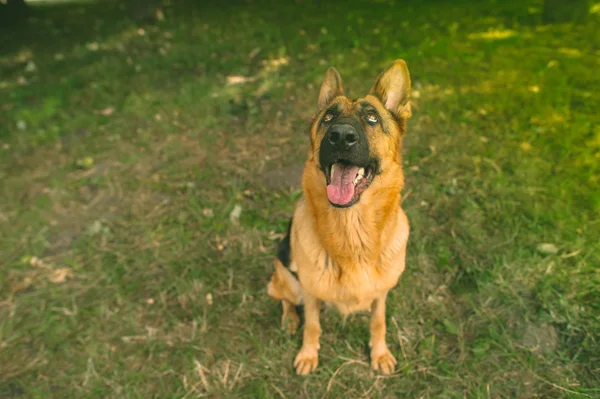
{"x": 129, "y": 133}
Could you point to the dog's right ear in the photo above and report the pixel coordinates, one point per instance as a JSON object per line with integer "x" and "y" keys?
{"x": 331, "y": 87}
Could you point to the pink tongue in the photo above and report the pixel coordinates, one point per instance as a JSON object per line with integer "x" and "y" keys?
{"x": 341, "y": 188}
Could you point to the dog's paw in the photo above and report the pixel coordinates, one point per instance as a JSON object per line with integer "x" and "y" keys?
{"x": 290, "y": 322}
{"x": 383, "y": 362}
{"x": 306, "y": 361}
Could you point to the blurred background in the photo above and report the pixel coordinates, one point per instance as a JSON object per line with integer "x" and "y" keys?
{"x": 150, "y": 154}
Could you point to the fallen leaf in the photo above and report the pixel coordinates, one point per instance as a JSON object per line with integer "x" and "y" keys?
{"x": 209, "y": 298}
{"x": 93, "y": 46}
{"x": 59, "y": 276}
{"x": 30, "y": 67}
{"x": 547, "y": 248}
{"x": 221, "y": 244}
{"x": 238, "y": 79}
{"x": 37, "y": 262}
{"x": 234, "y": 216}
{"x": 108, "y": 111}
{"x": 97, "y": 227}
{"x": 277, "y": 62}
{"x": 85, "y": 162}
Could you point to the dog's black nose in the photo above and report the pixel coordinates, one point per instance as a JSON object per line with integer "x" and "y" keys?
{"x": 342, "y": 136}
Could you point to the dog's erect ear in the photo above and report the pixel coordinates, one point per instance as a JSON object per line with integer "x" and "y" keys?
{"x": 331, "y": 87}
{"x": 393, "y": 89}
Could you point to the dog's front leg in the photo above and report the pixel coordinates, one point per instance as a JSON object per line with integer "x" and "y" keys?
{"x": 381, "y": 357}
{"x": 308, "y": 357}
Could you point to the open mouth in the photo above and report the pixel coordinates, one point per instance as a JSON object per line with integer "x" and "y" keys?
{"x": 345, "y": 183}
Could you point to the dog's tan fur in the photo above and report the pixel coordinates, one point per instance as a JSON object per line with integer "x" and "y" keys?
{"x": 349, "y": 257}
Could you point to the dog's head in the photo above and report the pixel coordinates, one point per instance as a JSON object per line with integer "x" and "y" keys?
{"x": 358, "y": 143}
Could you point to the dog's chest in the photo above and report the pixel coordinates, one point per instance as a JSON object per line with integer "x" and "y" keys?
{"x": 354, "y": 279}
{"x": 350, "y": 287}
{"x": 357, "y": 291}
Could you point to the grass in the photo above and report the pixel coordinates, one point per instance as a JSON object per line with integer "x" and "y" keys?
{"x": 123, "y": 151}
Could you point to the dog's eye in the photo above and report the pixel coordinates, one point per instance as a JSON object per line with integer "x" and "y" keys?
{"x": 371, "y": 117}
{"x": 328, "y": 117}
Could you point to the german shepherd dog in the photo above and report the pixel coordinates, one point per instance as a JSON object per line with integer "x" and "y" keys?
{"x": 346, "y": 242}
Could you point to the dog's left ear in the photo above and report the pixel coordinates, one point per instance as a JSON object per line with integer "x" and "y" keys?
{"x": 393, "y": 89}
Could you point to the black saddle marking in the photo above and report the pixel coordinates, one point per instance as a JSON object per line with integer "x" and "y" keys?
{"x": 284, "y": 252}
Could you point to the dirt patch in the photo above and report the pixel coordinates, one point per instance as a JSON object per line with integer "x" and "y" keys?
{"x": 430, "y": 279}
{"x": 76, "y": 212}
{"x": 288, "y": 177}
{"x": 540, "y": 338}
